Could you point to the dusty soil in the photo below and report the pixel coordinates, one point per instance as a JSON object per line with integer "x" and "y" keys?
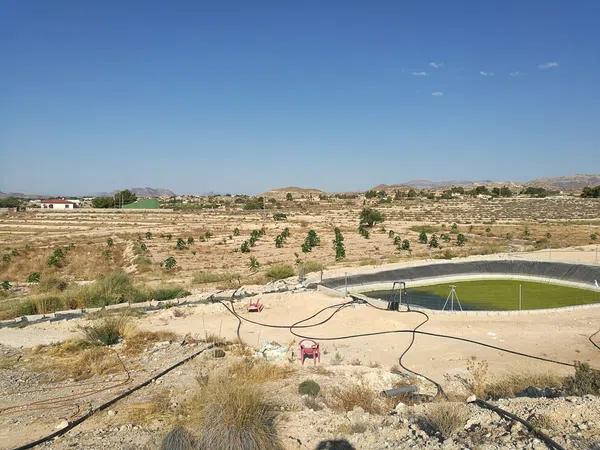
{"x": 489, "y": 226}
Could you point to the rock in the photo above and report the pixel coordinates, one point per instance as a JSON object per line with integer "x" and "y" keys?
{"x": 400, "y": 408}
{"x": 471, "y": 399}
{"x": 534, "y": 392}
{"x": 111, "y": 413}
{"x": 62, "y": 425}
{"x": 357, "y": 415}
{"x": 272, "y": 351}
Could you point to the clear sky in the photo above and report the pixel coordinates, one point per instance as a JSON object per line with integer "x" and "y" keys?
{"x": 245, "y": 96}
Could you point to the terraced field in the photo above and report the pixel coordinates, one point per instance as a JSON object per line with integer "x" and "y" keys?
{"x": 27, "y": 239}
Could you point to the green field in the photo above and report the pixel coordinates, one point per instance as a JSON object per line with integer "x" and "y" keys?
{"x": 498, "y": 295}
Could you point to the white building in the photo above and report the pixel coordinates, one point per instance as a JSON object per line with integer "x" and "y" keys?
{"x": 58, "y": 203}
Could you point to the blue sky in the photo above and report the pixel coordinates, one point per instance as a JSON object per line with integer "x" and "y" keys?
{"x": 244, "y": 96}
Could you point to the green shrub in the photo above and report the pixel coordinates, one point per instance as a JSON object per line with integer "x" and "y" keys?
{"x": 309, "y": 387}
{"x": 460, "y": 239}
{"x": 369, "y": 217}
{"x": 170, "y": 263}
{"x": 168, "y": 293}
{"x": 338, "y": 244}
{"x": 5, "y": 285}
{"x": 279, "y": 216}
{"x": 423, "y": 237}
{"x": 253, "y": 264}
{"x": 34, "y": 277}
{"x": 57, "y": 258}
{"x": 280, "y": 271}
{"x": 245, "y": 247}
{"x": 312, "y": 266}
{"x": 363, "y": 231}
{"x": 106, "y": 331}
{"x": 433, "y": 242}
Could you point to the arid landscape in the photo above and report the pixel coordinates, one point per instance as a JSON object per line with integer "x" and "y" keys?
{"x": 299, "y": 226}
{"x": 62, "y": 368}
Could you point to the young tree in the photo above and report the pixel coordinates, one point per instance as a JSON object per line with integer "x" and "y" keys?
{"x": 236, "y": 231}
{"x": 253, "y": 264}
{"x": 109, "y": 242}
{"x": 279, "y": 240}
{"x": 180, "y": 244}
{"x": 289, "y": 197}
{"x": 363, "y": 231}
{"x": 460, "y": 239}
{"x": 433, "y": 242}
{"x": 406, "y": 245}
{"x": 245, "y": 247}
{"x": 369, "y": 217}
{"x": 170, "y": 263}
{"x": 103, "y": 202}
{"x": 312, "y": 238}
{"x": 338, "y": 244}
{"x": 148, "y": 235}
{"x": 423, "y": 237}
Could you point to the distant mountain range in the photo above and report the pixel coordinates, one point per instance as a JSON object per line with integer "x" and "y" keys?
{"x": 563, "y": 183}
{"x": 572, "y": 183}
{"x": 146, "y": 192}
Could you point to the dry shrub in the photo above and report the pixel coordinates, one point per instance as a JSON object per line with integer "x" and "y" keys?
{"x": 178, "y": 438}
{"x": 235, "y": 415}
{"x": 585, "y": 380}
{"x": 444, "y": 418}
{"x": 258, "y": 370}
{"x": 356, "y": 395}
{"x": 353, "y": 428}
{"x": 154, "y": 408}
{"x": 139, "y": 341}
{"x": 75, "y": 359}
{"x": 313, "y": 403}
{"x": 511, "y": 384}
{"x": 215, "y": 339}
{"x": 477, "y": 377}
{"x": 106, "y": 331}
{"x": 541, "y": 421}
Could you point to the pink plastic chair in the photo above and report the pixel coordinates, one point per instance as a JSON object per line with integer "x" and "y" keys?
{"x": 309, "y": 349}
{"x": 257, "y": 306}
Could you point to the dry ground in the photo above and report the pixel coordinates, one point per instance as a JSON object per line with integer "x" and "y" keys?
{"x": 501, "y": 225}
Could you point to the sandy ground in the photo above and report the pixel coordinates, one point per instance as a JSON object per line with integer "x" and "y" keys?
{"x": 561, "y": 335}
{"x": 558, "y": 335}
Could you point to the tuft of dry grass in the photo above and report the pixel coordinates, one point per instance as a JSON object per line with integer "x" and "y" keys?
{"x": 75, "y": 359}
{"x": 139, "y": 341}
{"x": 353, "y": 428}
{"x": 444, "y": 418}
{"x": 155, "y": 408}
{"x": 258, "y": 370}
{"x": 355, "y": 395}
{"x": 234, "y": 415}
{"x": 542, "y": 421}
{"x": 178, "y": 438}
{"x": 511, "y": 384}
{"x": 107, "y": 331}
